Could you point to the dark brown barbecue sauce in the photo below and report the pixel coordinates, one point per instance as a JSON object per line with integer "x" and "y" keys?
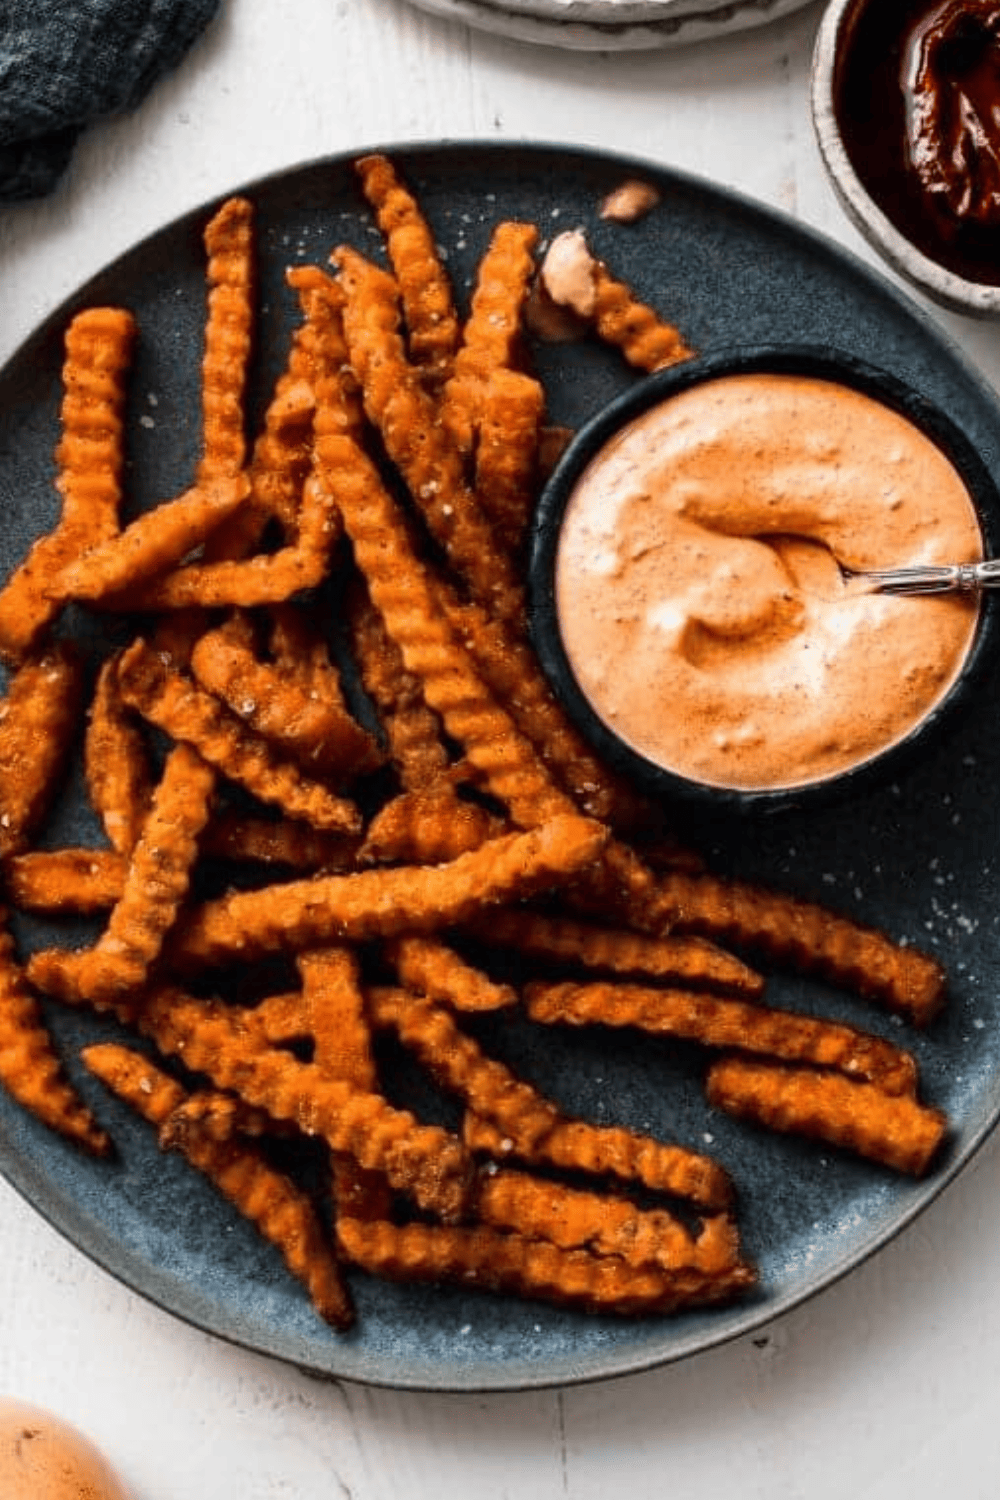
{"x": 917, "y": 98}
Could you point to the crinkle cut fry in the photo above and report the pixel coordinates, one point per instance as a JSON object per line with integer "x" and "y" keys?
{"x": 301, "y": 652}
{"x": 460, "y": 1065}
{"x": 423, "y": 1161}
{"x": 230, "y": 275}
{"x": 335, "y": 1011}
{"x": 264, "y": 578}
{"x": 411, "y": 728}
{"x": 646, "y": 341}
{"x": 510, "y": 669}
{"x": 185, "y": 711}
{"x": 268, "y": 1198}
{"x": 427, "y": 828}
{"x": 610, "y": 1151}
{"x": 30, "y": 1069}
{"x": 416, "y": 439}
{"x": 279, "y": 841}
{"x": 315, "y": 729}
{"x": 282, "y": 456}
{"x": 156, "y": 883}
{"x": 431, "y": 968}
{"x": 90, "y": 457}
{"x": 403, "y": 593}
{"x": 720, "y": 1021}
{"x": 323, "y": 343}
{"x": 117, "y": 766}
{"x": 892, "y": 1129}
{"x": 506, "y": 468}
{"x": 575, "y": 1219}
{"x": 39, "y": 716}
{"x": 282, "y": 451}
{"x": 814, "y": 939}
{"x": 65, "y": 881}
{"x": 383, "y": 903}
{"x": 151, "y": 544}
{"x": 400, "y": 588}
{"x": 683, "y": 960}
{"x": 495, "y": 1261}
{"x": 492, "y": 333}
{"x": 431, "y": 319}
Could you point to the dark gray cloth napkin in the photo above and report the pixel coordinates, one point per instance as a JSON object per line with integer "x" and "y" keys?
{"x": 63, "y": 65}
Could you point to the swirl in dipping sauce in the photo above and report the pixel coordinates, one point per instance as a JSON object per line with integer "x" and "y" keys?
{"x": 699, "y": 593}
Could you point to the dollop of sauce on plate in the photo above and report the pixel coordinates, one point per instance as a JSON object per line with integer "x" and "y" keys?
{"x": 700, "y": 590}
{"x": 630, "y": 201}
{"x": 917, "y": 99}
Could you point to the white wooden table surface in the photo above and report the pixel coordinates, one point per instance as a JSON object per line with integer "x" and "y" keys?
{"x": 883, "y": 1388}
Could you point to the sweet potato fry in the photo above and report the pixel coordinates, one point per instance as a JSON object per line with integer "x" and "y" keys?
{"x": 90, "y": 459}
{"x": 644, "y": 338}
{"x": 506, "y": 468}
{"x": 151, "y": 545}
{"x": 412, "y": 729}
{"x": 278, "y": 841}
{"x": 30, "y": 1069}
{"x": 282, "y": 455}
{"x": 426, "y": 828}
{"x": 116, "y": 762}
{"x": 354, "y": 908}
{"x": 575, "y": 1220}
{"x": 268, "y": 1198}
{"x": 503, "y": 658}
{"x": 337, "y": 1017}
{"x": 401, "y": 590}
{"x": 156, "y": 883}
{"x": 313, "y": 727}
{"x": 423, "y": 1161}
{"x": 431, "y": 968}
{"x": 431, "y": 319}
{"x": 895, "y": 1129}
{"x": 810, "y": 937}
{"x": 718, "y": 1021}
{"x": 492, "y": 334}
{"x": 56, "y": 882}
{"x": 230, "y": 273}
{"x": 185, "y": 711}
{"x": 416, "y": 439}
{"x": 334, "y": 1011}
{"x": 323, "y": 345}
{"x": 610, "y": 1151}
{"x": 499, "y": 1262}
{"x": 610, "y": 307}
{"x": 265, "y": 578}
{"x": 39, "y": 716}
{"x": 686, "y": 961}
{"x": 459, "y": 1064}
{"x": 301, "y": 653}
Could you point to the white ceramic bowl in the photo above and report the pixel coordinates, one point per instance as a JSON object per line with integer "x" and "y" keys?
{"x": 944, "y": 286}
{"x": 611, "y": 25}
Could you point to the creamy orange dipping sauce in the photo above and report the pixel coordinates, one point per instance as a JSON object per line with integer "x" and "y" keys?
{"x": 699, "y": 593}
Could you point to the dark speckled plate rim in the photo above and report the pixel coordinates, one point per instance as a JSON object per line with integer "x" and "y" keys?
{"x": 26, "y": 1171}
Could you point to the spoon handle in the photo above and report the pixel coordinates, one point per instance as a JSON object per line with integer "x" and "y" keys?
{"x": 949, "y": 578}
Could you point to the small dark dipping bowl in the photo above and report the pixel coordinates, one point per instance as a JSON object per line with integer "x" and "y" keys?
{"x": 648, "y": 775}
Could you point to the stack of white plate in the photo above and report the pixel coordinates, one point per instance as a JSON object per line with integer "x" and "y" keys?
{"x": 605, "y": 25}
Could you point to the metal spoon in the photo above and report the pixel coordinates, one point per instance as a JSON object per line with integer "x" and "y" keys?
{"x": 945, "y": 578}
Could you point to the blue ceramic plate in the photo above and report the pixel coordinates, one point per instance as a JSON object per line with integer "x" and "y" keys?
{"x": 917, "y": 858}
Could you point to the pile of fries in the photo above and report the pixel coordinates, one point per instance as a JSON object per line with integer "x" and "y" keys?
{"x": 388, "y": 843}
